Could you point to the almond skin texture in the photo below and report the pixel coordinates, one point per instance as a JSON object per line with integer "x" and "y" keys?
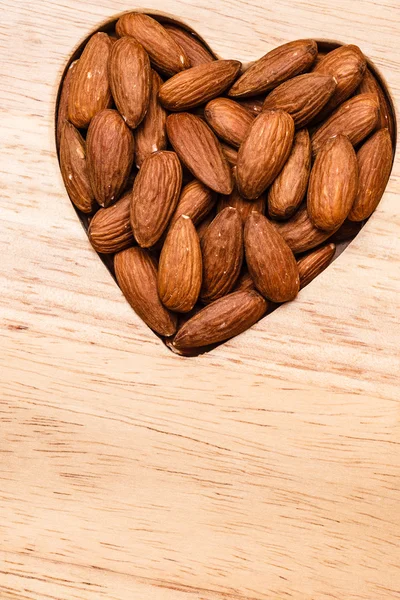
{"x": 151, "y": 135}
{"x": 62, "y": 114}
{"x": 356, "y": 118}
{"x": 200, "y": 151}
{"x": 347, "y": 65}
{"x": 155, "y": 196}
{"x": 196, "y": 201}
{"x": 110, "y": 229}
{"x": 254, "y": 105}
{"x": 243, "y": 206}
{"x": 369, "y": 85}
{"x": 204, "y": 225}
{"x": 374, "y": 163}
{"x": 180, "y": 268}
{"x": 110, "y": 152}
{"x": 333, "y": 184}
{"x": 274, "y": 68}
{"x": 288, "y": 190}
{"x": 90, "y": 90}
{"x": 129, "y": 63}
{"x": 222, "y": 249}
{"x": 74, "y": 169}
{"x": 136, "y": 274}
{"x": 271, "y": 263}
{"x": 230, "y": 154}
{"x": 197, "y": 85}
{"x": 196, "y": 52}
{"x": 302, "y": 97}
{"x": 165, "y": 54}
{"x": 263, "y": 152}
{"x": 313, "y": 264}
{"x": 299, "y": 232}
{"x": 244, "y": 282}
{"x": 221, "y": 320}
{"x": 229, "y": 120}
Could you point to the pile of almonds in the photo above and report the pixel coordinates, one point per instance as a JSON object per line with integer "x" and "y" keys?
{"x": 222, "y": 191}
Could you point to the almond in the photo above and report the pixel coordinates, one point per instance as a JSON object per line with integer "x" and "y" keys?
{"x": 110, "y": 229}
{"x": 263, "y": 152}
{"x": 90, "y": 90}
{"x": 155, "y": 196}
{"x": 230, "y": 154}
{"x": 196, "y": 201}
{"x": 347, "y": 231}
{"x": 196, "y": 52}
{"x": 288, "y": 190}
{"x": 244, "y": 282}
{"x": 180, "y": 268}
{"x": 299, "y": 232}
{"x": 312, "y": 265}
{"x": 110, "y": 153}
{"x": 333, "y": 184}
{"x": 165, "y": 54}
{"x": 243, "y": 206}
{"x": 229, "y": 120}
{"x": 151, "y": 135}
{"x": 129, "y": 63}
{"x": 302, "y": 97}
{"x": 62, "y": 113}
{"x": 270, "y": 261}
{"x": 221, "y": 320}
{"x": 274, "y": 68}
{"x": 136, "y": 274}
{"x": 374, "y": 163}
{"x": 74, "y": 169}
{"x": 199, "y": 149}
{"x": 222, "y": 249}
{"x": 197, "y": 85}
{"x": 356, "y": 118}
{"x": 369, "y": 85}
{"x": 254, "y": 105}
{"x": 203, "y": 225}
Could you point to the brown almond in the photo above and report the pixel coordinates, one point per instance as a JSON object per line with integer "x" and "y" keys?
{"x": 196, "y": 52}
{"x": 271, "y": 263}
{"x": 370, "y": 85}
{"x": 254, "y": 105}
{"x": 356, "y": 118}
{"x": 197, "y": 85}
{"x": 302, "y": 97}
{"x": 230, "y": 154}
{"x": 204, "y": 224}
{"x": 136, "y": 273}
{"x": 74, "y": 168}
{"x": 222, "y": 249}
{"x": 221, "y": 320}
{"x": 165, "y": 54}
{"x": 299, "y": 232}
{"x": 90, "y": 90}
{"x": 263, "y": 152}
{"x": 312, "y": 265}
{"x": 110, "y": 152}
{"x": 274, "y": 68}
{"x": 200, "y": 151}
{"x": 62, "y": 114}
{"x": 288, "y": 190}
{"x": 180, "y": 267}
{"x": 151, "y": 135}
{"x": 196, "y": 201}
{"x": 155, "y": 196}
{"x": 110, "y": 229}
{"x": 229, "y": 120}
{"x": 347, "y": 231}
{"x": 374, "y": 160}
{"x": 243, "y": 206}
{"x": 244, "y": 282}
{"x": 129, "y": 63}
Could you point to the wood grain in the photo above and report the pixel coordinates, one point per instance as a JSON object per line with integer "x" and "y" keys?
{"x": 267, "y": 469}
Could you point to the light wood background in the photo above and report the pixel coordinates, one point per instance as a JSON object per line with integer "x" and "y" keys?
{"x": 267, "y": 469}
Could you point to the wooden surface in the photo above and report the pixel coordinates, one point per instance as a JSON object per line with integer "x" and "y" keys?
{"x": 268, "y": 469}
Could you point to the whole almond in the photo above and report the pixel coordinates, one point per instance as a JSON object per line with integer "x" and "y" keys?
{"x": 151, "y": 135}
{"x": 356, "y": 118}
{"x": 271, "y": 263}
{"x": 90, "y": 90}
{"x": 221, "y": 320}
{"x": 180, "y": 268}
{"x": 129, "y": 63}
{"x": 288, "y": 190}
{"x": 369, "y": 85}
{"x": 243, "y": 206}
{"x": 165, "y": 54}
{"x": 274, "y": 68}
{"x": 333, "y": 184}
{"x": 299, "y": 232}
{"x": 244, "y": 282}
{"x": 229, "y": 120}
{"x": 110, "y": 153}
{"x": 62, "y": 114}
{"x": 263, "y": 152}
{"x": 374, "y": 163}
{"x": 196, "y": 52}
{"x": 136, "y": 274}
{"x": 312, "y": 265}
{"x": 302, "y": 97}
{"x": 110, "y": 229}
{"x": 199, "y": 149}
{"x": 155, "y": 196}
{"x": 196, "y": 201}
{"x": 74, "y": 169}
{"x": 230, "y": 154}
{"x": 197, "y": 85}
{"x": 222, "y": 249}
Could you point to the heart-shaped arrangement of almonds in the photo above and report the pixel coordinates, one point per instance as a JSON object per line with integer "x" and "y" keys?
{"x": 223, "y": 190}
